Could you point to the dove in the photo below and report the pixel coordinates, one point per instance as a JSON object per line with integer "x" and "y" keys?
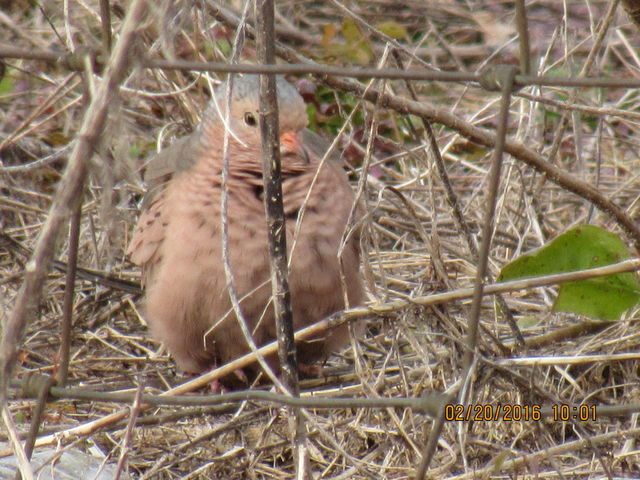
{"x": 178, "y": 239}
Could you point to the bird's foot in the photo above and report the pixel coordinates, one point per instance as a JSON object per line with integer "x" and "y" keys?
{"x": 217, "y": 388}
{"x": 240, "y": 375}
{"x": 311, "y": 370}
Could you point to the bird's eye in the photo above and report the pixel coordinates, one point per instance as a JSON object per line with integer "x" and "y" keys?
{"x": 250, "y": 119}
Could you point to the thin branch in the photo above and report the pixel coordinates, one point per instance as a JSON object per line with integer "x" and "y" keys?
{"x": 295, "y": 68}
{"x": 105, "y": 23}
{"x": 125, "y": 447}
{"x": 72, "y": 263}
{"x": 276, "y": 227}
{"x": 21, "y": 457}
{"x": 488, "y": 221}
{"x": 69, "y": 294}
{"x": 42, "y": 395}
{"x": 274, "y": 211}
{"x": 523, "y": 37}
{"x": 428, "y": 403}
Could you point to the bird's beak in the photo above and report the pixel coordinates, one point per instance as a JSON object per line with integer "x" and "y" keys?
{"x": 291, "y": 144}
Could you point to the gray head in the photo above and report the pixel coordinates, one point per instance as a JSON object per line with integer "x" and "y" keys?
{"x": 245, "y": 103}
{"x": 244, "y": 127}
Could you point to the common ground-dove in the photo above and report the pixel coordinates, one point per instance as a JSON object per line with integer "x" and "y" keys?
{"x": 178, "y": 238}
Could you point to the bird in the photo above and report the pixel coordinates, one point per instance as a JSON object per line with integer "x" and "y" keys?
{"x": 178, "y": 239}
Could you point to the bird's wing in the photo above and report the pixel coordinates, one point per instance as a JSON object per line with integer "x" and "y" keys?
{"x": 160, "y": 169}
{"x": 317, "y": 146}
{"x": 150, "y": 229}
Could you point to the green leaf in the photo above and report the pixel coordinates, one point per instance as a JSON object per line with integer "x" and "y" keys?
{"x": 20, "y": 417}
{"x": 527, "y": 321}
{"x": 7, "y": 84}
{"x": 350, "y": 31}
{"x": 134, "y": 151}
{"x": 356, "y": 48}
{"x": 57, "y": 139}
{"x": 582, "y": 247}
{"x": 392, "y": 29}
{"x": 217, "y": 46}
{"x": 311, "y": 115}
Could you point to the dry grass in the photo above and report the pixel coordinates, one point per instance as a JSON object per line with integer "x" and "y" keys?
{"x": 414, "y": 351}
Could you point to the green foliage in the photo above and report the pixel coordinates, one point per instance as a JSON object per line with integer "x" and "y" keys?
{"x": 631, "y": 100}
{"x": 582, "y": 247}
{"x": 57, "y": 138}
{"x": 135, "y": 151}
{"x": 334, "y": 115}
{"x": 223, "y": 45}
{"x": 355, "y": 47}
{"x": 311, "y": 115}
{"x": 7, "y": 83}
{"x": 393, "y": 29}
{"x": 527, "y": 321}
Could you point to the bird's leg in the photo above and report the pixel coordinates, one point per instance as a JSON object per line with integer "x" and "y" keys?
{"x": 311, "y": 370}
{"x": 216, "y": 387}
{"x": 240, "y": 375}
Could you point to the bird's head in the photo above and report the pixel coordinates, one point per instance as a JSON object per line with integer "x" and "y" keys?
{"x": 244, "y": 118}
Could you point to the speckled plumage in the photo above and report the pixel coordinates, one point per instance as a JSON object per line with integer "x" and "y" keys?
{"x": 178, "y": 240}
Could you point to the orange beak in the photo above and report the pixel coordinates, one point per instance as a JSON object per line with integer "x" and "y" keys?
{"x": 291, "y": 144}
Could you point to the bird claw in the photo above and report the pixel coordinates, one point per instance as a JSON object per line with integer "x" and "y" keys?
{"x": 216, "y": 387}
{"x": 240, "y": 375}
{"x": 311, "y": 371}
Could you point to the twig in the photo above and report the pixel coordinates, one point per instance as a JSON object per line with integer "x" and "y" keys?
{"x": 21, "y": 457}
{"x": 36, "y": 164}
{"x": 523, "y": 37}
{"x": 506, "y": 77}
{"x": 430, "y": 447}
{"x": 491, "y": 289}
{"x": 69, "y": 290}
{"x": 224, "y": 213}
{"x": 88, "y": 274}
{"x": 36, "y": 417}
{"x": 72, "y": 264}
{"x": 505, "y": 80}
{"x": 274, "y": 211}
{"x": 276, "y": 227}
{"x": 428, "y": 403}
{"x": 572, "y": 360}
{"x": 105, "y": 23}
{"x": 295, "y": 68}
{"x": 128, "y": 434}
